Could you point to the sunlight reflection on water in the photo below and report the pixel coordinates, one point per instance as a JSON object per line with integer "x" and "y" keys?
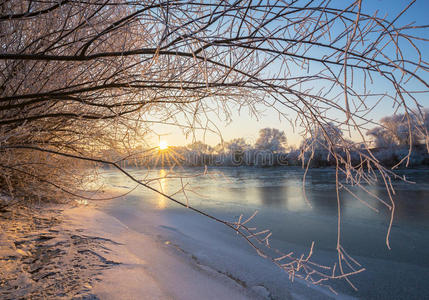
{"x": 161, "y": 200}
{"x": 275, "y": 189}
{"x": 277, "y": 193}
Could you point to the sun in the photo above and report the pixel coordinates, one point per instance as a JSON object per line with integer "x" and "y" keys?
{"x": 163, "y": 145}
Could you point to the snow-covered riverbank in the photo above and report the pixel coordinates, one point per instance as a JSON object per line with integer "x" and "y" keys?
{"x": 66, "y": 252}
{"x": 158, "y": 261}
{"x": 149, "y": 268}
{"x": 82, "y": 252}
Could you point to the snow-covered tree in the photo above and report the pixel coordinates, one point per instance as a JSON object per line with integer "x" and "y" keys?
{"x": 200, "y": 147}
{"x": 271, "y": 139}
{"x": 380, "y": 137}
{"x": 238, "y": 144}
{"x": 400, "y": 130}
{"x": 324, "y": 137}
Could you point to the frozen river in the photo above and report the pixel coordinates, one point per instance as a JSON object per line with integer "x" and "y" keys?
{"x": 399, "y": 273}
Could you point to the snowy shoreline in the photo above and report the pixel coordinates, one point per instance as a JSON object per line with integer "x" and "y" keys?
{"x": 83, "y": 253}
{"x": 96, "y": 256}
{"x": 149, "y": 268}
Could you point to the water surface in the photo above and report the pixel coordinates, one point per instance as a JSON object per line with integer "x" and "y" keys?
{"x": 277, "y": 193}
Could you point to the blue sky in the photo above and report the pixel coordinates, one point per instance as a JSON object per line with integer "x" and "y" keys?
{"x": 245, "y": 125}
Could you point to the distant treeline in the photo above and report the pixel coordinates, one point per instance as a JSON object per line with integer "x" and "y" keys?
{"x": 295, "y": 157}
{"x": 392, "y": 143}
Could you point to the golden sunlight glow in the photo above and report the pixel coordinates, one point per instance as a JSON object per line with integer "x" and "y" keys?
{"x": 163, "y": 145}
